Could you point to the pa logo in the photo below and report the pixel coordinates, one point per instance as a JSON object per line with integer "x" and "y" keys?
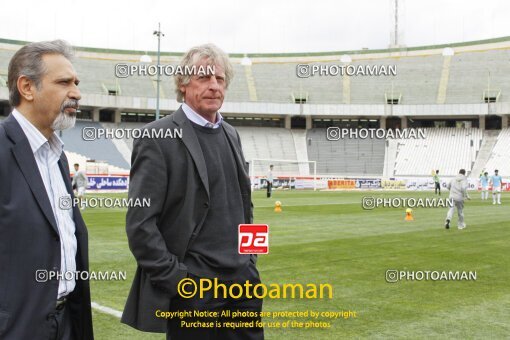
{"x": 253, "y": 239}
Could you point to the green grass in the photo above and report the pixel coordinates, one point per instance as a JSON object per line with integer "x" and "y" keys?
{"x": 326, "y": 237}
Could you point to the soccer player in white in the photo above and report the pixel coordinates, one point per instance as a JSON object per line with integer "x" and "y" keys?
{"x": 484, "y": 183}
{"x": 458, "y": 193}
{"x": 496, "y": 182}
{"x": 81, "y": 181}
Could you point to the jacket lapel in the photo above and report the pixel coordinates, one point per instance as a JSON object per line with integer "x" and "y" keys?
{"x": 79, "y": 224}
{"x": 190, "y": 140}
{"x": 26, "y": 161}
{"x": 241, "y": 163}
{"x": 64, "y": 170}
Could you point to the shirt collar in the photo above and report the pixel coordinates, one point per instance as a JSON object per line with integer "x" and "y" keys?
{"x": 198, "y": 119}
{"x": 35, "y": 138}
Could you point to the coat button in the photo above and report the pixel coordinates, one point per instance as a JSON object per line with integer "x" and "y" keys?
{"x": 206, "y": 205}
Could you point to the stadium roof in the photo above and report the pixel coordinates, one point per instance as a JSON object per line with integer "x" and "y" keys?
{"x": 478, "y": 69}
{"x": 277, "y": 55}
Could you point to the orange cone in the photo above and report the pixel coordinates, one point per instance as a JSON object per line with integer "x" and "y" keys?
{"x": 409, "y": 214}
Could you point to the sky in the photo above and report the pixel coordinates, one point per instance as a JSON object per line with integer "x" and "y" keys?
{"x": 264, "y": 26}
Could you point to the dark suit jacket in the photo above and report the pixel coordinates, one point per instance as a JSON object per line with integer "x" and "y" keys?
{"x": 29, "y": 241}
{"x": 173, "y": 174}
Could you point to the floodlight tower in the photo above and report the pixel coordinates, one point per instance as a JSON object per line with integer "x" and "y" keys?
{"x": 397, "y": 31}
{"x": 159, "y": 34}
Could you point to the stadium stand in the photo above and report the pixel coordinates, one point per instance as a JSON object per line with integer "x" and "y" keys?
{"x": 472, "y": 73}
{"x": 274, "y": 80}
{"x": 123, "y": 145}
{"x": 269, "y": 143}
{"x": 349, "y": 157}
{"x": 128, "y": 141}
{"x": 5, "y": 57}
{"x": 270, "y": 86}
{"x": 238, "y": 88}
{"x": 417, "y": 80}
{"x": 299, "y": 137}
{"x": 490, "y": 138}
{"x": 103, "y": 149}
{"x": 275, "y": 83}
{"x": 73, "y": 157}
{"x": 500, "y": 156}
{"x": 279, "y": 83}
{"x": 446, "y": 149}
{"x": 390, "y": 156}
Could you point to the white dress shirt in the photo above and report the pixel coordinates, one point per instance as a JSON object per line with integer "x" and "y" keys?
{"x": 47, "y": 154}
{"x": 198, "y": 119}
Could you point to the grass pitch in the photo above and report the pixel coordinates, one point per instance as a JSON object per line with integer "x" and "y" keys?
{"x": 326, "y": 237}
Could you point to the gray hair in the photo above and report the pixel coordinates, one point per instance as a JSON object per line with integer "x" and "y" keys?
{"x": 27, "y": 61}
{"x": 213, "y": 54}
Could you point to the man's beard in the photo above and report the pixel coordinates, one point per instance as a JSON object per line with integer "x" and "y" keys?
{"x": 63, "y": 120}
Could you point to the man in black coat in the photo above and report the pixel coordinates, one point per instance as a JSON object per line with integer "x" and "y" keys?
{"x": 43, "y": 239}
{"x": 200, "y": 192}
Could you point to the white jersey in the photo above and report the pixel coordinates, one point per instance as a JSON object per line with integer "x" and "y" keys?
{"x": 80, "y": 179}
{"x": 458, "y": 188}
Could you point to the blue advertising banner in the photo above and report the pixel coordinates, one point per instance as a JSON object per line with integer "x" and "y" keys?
{"x": 108, "y": 183}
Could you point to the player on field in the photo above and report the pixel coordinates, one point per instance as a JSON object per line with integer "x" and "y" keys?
{"x": 80, "y": 180}
{"x": 458, "y": 193}
{"x": 484, "y": 183}
{"x": 437, "y": 183}
{"x": 269, "y": 181}
{"x": 496, "y": 182}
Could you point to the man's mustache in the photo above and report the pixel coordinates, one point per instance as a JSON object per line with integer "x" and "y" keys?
{"x": 71, "y": 103}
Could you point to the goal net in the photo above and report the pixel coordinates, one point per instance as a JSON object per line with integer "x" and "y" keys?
{"x": 287, "y": 174}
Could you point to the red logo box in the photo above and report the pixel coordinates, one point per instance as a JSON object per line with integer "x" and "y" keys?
{"x": 253, "y": 239}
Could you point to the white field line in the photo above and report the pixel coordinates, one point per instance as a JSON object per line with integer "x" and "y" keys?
{"x": 106, "y": 310}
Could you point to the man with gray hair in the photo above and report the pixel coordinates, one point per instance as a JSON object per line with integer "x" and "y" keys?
{"x": 201, "y": 192}
{"x": 40, "y": 240}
